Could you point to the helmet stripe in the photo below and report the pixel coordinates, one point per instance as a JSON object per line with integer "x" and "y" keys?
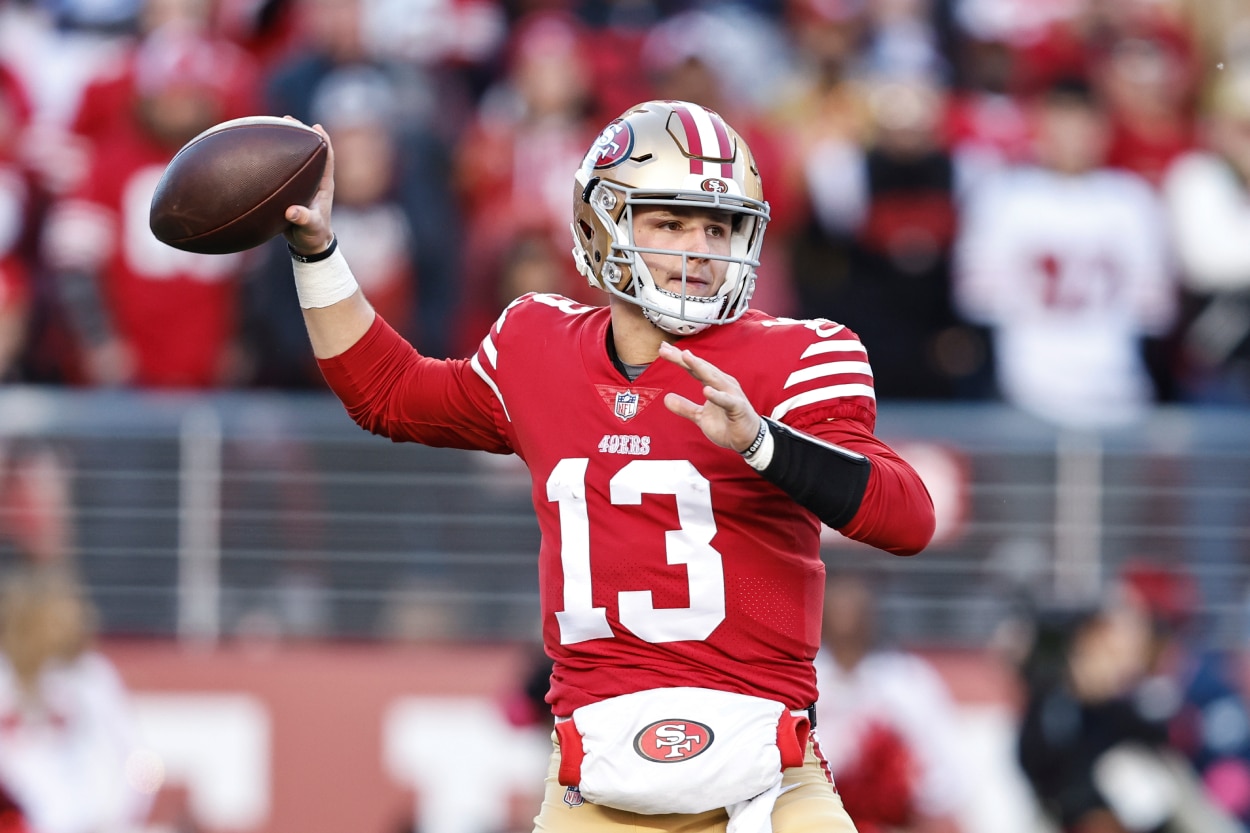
{"x": 704, "y": 128}
{"x": 722, "y": 140}
{"x": 693, "y": 139}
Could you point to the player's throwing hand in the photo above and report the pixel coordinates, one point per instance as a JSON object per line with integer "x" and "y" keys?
{"x": 726, "y": 418}
{"x": 310, "y": 229}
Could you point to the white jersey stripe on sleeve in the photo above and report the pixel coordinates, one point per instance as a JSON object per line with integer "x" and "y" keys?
{"x": 480, "y": 371}
{"x": 843, "y": 346}
{"x": 822, "y": 395}
{"x": 492, "y": 354}
{"x": 828, "y": 369}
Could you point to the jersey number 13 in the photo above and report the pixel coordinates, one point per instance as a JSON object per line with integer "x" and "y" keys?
{"x": 690, "y": 544}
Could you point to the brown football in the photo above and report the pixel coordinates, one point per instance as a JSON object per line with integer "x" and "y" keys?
{"x": 228, "y": 189}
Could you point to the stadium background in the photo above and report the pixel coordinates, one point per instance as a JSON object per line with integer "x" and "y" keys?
{"x": 324, "y": 631}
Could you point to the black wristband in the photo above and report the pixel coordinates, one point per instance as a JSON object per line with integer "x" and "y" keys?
{"x": 319, "y": 256}
{"x": 826, "y": 479}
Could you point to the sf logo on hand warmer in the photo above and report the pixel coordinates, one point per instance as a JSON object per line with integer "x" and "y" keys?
{"x": 668, "y": 741}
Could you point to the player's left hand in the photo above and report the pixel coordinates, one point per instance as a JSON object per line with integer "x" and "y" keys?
{"x": 726, "y": 417}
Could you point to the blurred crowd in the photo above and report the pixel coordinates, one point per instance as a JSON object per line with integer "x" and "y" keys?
{"x": 1129, "y": 722}
{"x": 1123, "y": 720}
{"x": 1045, "y": 203}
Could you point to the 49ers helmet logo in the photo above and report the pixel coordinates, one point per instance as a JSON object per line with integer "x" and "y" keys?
{"x": 669, "y": 741}
{"x": 613, "y": 145}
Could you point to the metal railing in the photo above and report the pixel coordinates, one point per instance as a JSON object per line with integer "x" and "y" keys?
{"x": 202, "y": 516}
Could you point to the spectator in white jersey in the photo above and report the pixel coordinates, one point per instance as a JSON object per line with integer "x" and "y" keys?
{"x": 1067, "y": 261}
{"x": 69, "y": 745}
{"x": 1208, "y": 199}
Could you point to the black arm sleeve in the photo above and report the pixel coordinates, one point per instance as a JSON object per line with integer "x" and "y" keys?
{"x": 821, "y": 477}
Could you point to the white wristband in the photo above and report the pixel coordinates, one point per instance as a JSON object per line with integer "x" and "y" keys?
{"x": 323, "y": 282}
{"x": 762, "y": 456}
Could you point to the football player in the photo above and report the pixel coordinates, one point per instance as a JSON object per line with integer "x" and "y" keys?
{"x": 685, "y": 450}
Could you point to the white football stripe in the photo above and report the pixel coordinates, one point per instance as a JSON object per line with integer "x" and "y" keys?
{"x": 477, "y": 368}
{"x": 828, "y": 369}
{"x": 833, "y": 347}
{"x": 821, "y": 395}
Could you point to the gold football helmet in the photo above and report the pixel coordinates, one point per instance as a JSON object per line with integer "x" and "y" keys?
{"x": 667, "y": 153}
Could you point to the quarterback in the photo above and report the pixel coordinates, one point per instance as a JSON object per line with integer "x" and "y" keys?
{"x": 685, "y": 451}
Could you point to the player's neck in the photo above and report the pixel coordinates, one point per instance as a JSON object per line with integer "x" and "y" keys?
{"x": 636, "y": 340}
{"x": 629, "y": 371}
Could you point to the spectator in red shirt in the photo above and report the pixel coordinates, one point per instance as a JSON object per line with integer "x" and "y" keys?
{"x": 512, "y": 167}
{"x": 141, "y": 313}
{"x": 16, "y": 200}
{"x": 34, "y": 485}
{"x": 1148, "y": 83}
{"x": 426, "y": 113}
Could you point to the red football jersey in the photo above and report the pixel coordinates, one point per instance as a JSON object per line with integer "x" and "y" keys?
{"x": 665, "y": 560}
{"x": 175, "y": 309}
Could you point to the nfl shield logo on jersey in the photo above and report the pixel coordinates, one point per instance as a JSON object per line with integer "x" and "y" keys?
{"x": 626, "y": 405}
{"x": 573, "y": 797}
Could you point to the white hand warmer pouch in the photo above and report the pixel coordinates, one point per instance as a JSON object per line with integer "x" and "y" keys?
{"x": 681, "y": 750}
